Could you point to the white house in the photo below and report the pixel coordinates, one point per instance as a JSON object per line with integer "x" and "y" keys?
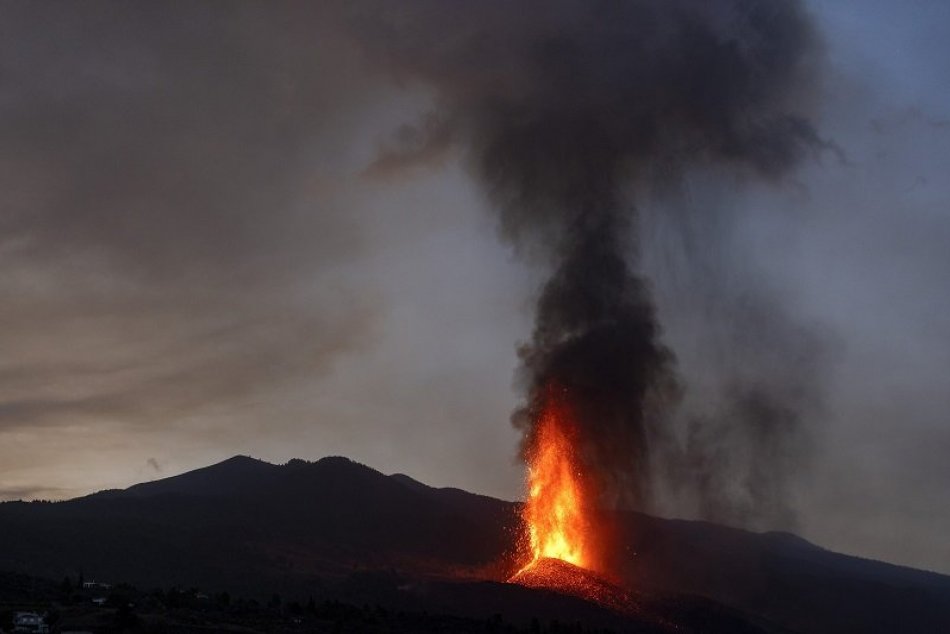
{"x": 30, "y": 623}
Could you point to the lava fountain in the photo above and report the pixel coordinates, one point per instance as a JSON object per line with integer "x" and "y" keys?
{"x": 564, "y": 533}
{"x": 558, "y": 514}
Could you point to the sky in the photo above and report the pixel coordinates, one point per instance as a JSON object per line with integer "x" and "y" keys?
{"x": 203, "y": 258}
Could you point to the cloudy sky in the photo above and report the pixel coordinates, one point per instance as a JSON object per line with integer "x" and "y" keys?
{"x": 202, "y": 257}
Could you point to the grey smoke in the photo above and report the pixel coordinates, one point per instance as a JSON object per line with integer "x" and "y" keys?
{"x": 573, "y": 113}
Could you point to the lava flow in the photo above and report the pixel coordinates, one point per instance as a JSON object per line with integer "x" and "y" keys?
{"x": 558, "y": 509}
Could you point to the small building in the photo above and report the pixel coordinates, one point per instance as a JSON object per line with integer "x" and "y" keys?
{"x": 95, "y": 585}
{"x": 30, "y": 623}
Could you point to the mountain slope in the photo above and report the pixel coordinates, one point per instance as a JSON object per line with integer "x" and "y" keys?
{"x": 231, "y": 477}
{"x": 249, "y": 526}
{"x": 791, "y": 581}
{"x": 241, "y": 518}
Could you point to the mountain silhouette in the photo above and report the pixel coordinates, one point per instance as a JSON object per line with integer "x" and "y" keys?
{"x": 336, "y": 527}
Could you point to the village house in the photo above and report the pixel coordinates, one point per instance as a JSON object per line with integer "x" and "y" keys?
{"x": 95, "y": 585}
{"x": 30, "y": 623}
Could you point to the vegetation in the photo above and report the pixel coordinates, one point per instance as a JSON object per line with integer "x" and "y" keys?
{"x": 69, "y": 606}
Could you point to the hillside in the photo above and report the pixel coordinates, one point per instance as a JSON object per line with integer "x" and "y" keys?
{"x": 334, "y": 528}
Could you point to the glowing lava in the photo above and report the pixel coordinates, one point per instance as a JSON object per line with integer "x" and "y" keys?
{"x": 557, "y": 512}
{"x": 565, "y": 578}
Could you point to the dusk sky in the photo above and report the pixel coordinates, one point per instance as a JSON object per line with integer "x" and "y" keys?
{"x": 206, "y": 253}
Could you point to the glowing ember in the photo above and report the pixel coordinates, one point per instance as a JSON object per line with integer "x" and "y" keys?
{"x": 557, "y": 512}
{"x": 562, "y": 577}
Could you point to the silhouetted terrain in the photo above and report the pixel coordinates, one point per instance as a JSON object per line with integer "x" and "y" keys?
{"x": 335, "y": 529}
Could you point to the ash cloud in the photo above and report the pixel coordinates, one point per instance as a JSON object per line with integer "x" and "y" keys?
{"x": 750, "y": 425}
{"x": 572, "y": 112}
{"x": 168, "y": 213}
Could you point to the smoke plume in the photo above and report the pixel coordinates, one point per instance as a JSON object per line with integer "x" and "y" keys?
{"x": 570, "y": 110}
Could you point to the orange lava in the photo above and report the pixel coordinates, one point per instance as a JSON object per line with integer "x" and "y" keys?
{"x": 562, "y": 577}
{"x": 557, "y": 511}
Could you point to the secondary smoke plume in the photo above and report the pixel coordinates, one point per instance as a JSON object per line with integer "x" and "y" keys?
{"x": 569, "y": 109}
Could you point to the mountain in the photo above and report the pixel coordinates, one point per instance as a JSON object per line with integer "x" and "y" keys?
{"x": 337, "y": 528}
{"x": 798, "y": 584}
{"x": 233, "y": 476}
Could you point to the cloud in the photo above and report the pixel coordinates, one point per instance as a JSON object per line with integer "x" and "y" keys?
{"x": 174, "y": 208}
{"x": 37, "y": 492}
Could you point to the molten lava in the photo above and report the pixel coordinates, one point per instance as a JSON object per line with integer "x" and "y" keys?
{"x": 565, "y": 578}
{"x": 564, "y": 534}
{"x": 558, "y": 511}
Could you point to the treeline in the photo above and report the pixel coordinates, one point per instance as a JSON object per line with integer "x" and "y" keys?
{"x": 125, "y": 608}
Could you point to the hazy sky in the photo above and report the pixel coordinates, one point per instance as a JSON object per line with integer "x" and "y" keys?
{"x": 199, "y": 263}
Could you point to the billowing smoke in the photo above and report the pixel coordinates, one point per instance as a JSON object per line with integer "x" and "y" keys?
{"x": 568, "y": 112}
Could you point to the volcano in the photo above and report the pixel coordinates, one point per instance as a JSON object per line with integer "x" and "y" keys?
{"x": 566, "y": 578}
{"x": 337, "y": 530}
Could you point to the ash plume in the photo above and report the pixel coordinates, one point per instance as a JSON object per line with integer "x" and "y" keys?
{"x": 568, "y": 111}
{"x": 754, "y": 369}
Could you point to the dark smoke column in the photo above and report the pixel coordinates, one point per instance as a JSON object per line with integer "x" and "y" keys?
{"x": 595, "y": 339}
{"x": 568, "y": 110}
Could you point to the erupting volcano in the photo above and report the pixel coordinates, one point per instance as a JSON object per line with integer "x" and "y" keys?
{"x": 563, "y": 530}
{"x": 573, "y": 115}
{"x": 557, "y": 513}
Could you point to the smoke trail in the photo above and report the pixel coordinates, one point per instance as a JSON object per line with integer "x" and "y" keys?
{"x": 568, "y": 109}
{"x": 746, "y": 441}
{"x": 753, "y": 371}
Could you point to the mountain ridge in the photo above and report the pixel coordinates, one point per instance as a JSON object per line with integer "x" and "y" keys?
{"x": 304, "y": 526}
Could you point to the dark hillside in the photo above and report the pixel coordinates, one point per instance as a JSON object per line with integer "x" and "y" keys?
{"x": 313, "y": 527}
